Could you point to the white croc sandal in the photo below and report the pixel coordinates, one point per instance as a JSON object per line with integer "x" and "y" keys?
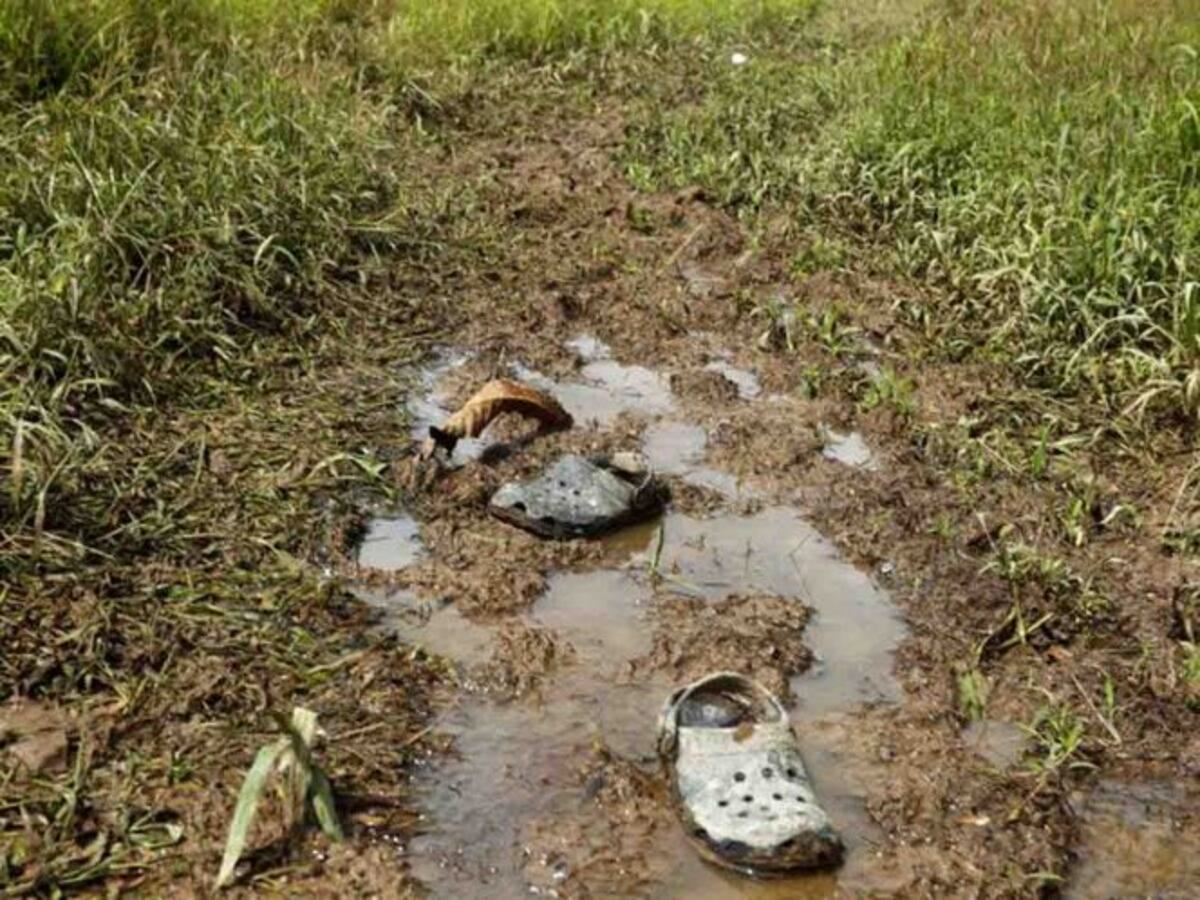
{"x": 739, "y": 781}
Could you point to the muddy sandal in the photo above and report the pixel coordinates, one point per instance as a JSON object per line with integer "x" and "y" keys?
{"x": 578, "y": 497}
{"x": 738, "y": 780}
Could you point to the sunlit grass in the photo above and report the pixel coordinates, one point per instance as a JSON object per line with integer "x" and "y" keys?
{"x": 182, "y": 178}
{"x": 1040, "y": 161}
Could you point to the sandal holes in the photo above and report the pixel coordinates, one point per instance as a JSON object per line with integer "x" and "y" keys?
{"x": 739, "y": 776}
{"x": 722, "y": 803}
{"x": 743, "y": 814}
{"x": 792, "y": 773}
{"x": 777, "y": 796}
{"x": 749, "y": 798}
{"x": 768, "y": 772}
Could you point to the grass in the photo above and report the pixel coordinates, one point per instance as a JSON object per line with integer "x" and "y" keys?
{"x": 204, "y": 206}
{"x": 190, "y": 177}
{"x": 219, "y": 234}
{"x": 1038, "y": 161}
{"x": 424, "y": 35}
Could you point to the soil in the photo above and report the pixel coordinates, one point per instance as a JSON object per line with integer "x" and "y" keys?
{"x": 552, "y": 786}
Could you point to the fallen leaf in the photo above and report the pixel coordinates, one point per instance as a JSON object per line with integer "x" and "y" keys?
{"x": 35, "y": 735}
{"x": 494, "y": 399}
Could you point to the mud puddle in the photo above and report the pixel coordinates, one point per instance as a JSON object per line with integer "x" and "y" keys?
{"x": 391, "y": 543}
{"x": 555, "y": 788}
{"x": 677, "y": 448}
{"x": 520, "y": 762}
{"x": 848, "y": 449}
{"x": 603, "y": 388}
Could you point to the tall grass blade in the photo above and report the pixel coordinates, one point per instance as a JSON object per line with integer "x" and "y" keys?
{"x": 247, "y": 806}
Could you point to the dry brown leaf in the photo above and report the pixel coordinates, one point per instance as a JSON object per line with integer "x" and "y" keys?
{"x": 494, "y": 399}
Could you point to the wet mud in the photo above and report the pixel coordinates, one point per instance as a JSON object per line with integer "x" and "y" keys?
{"x": 799, "y": 514}
{"x": 552, "y": 785}
{"x": 1135, "y": 844}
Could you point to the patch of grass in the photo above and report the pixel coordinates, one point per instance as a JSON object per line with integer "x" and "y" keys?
{"x": 973, "y": 692}
{"x": 425, "y": 35}
{"x": 1039, "y": 161}
{"x": 1058, "y": 735}
{"x": 151, "y": 234}
{"x": 1048, "y": 596}
{"x": 886, "y": 389}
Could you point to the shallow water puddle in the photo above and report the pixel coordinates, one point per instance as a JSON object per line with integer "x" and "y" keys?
{"x": 605, "y": 388}
{"x": 848, "y": 449}
{"x": 673, "y": 448}
{"x": 519, "y": 762}
{"x": 777, "y": 552}
{"x": 677, "y": 448}
{"x": 391, "y": 543}
{"x": 518, "y": 774}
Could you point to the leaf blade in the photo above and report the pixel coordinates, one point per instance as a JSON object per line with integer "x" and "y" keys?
{"x": 247, "y": 805}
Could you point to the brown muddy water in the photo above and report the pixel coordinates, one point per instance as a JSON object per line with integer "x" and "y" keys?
{"x": 1132, "y": 844}
{"x": 512, "y": 811}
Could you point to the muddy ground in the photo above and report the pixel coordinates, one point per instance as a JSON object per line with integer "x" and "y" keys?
{"x": 978, "y": 724}
{"x": 637, "y": 311}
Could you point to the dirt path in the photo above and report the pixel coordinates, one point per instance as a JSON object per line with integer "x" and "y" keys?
{"x": 804, "y": 524}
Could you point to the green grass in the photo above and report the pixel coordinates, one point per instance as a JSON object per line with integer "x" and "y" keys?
{"x": 153, "y": 234}
{"x": 204, "y": 206}
{"x": 424, "y": 35}
{"x": 1038, "y": 160}
{"x": 185, "y": 179}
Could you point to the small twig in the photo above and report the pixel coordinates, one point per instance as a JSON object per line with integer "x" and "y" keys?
{"x": 687, "y": 242}
{"x": 1092, "y": 706}
{"x": 358, "y": 732}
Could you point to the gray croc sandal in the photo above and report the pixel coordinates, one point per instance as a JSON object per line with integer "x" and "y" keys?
{"x": 738, "y": 779}
{"x": 577, "y": 497}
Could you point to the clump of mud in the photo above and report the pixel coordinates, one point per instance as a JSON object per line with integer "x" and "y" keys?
{"x": 523, "y": 656}
{"x": 759, "y": 636}
{"x": 704, "y": 386}
{"x": 607, "y": 846}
